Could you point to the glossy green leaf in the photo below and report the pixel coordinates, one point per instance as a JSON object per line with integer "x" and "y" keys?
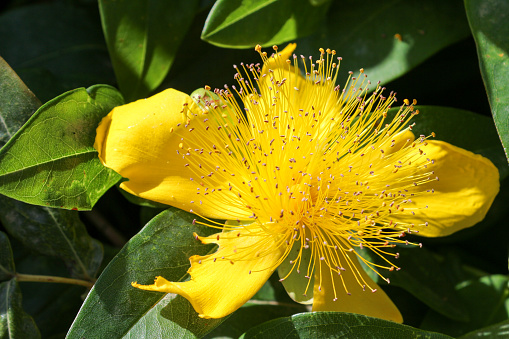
{"x": 325, "y": 325}
{"x": 488, "y": 22}
{"x": 486, "y": 300}
{"x": 251, "y": 315}
{"x": 113, "y": 307}
{"x": 143, "y": 38}
{"x": 22, "y": 103}
{"x": 14, "y": 321}
{"x": 424, "y": 276}
{"x": 366, "y": 34}
{"x": 266, "y": 22}
{"x": 55, "y": 47}
{"x": 464, "y": 129}
{"x": 47, "y": 231}
{"x": 7, "y": 268}
{"x": 51, "y": 161}
{"x": 499, "y": 330}
{"x": 53, "y": 232}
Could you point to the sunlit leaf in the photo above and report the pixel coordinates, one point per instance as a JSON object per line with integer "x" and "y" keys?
{"x": 488, "y": 21}
{"x": 266, "y": 22}
{"x": 143, "y": 38}
{"x": 51, "y": 160}
{"x": 325, "y": 325}
{"x": 115, "y": 308}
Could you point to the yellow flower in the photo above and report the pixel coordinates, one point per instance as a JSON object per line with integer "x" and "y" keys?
{"x": 303, "y": 171}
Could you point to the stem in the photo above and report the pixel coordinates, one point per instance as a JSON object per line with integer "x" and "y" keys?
{"x": 52, "y": 279}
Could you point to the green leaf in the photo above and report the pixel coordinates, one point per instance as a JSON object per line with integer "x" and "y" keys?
{"x": 143, "y": 38}
{"x": 424, "y": 277}
{"x": 495, "y": 331}
{"x": 53, "y": 232}
{"x": 14, "y": 321}
{"x": 7, "y": 268}
{"x": 486, "y": 300}
{"x": 318, "y": 325}
{"x": 162, "y": 248}
{"x": 22, "y": 103}
{"x": 251, "y": 315}
{"x": 365, "y": 34}
{"x": 51, "y": 161}
{"x": 55, "y": 47}
{"x": 488, "y": 22}
{"x": 464, "y": 129}
{"x": 266, "y": 22}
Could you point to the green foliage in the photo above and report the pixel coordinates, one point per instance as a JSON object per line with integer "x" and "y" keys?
{"x": 456, "y": 286}
{"x": 388, "y": 39}
{"x": 6, "y": 261}
{"x": 13, "y": 90}
{"x": 161, "y": 248}
{"x": 54, "y": 233}
{"x": 335, "y": 325}
{"x": 486, "y": 300}
{"x": 488, "y": 22}
{"x": 51, "y": 161}
{"x": 230, "y": 24}
{"x": 14, "y": 321}
{"x": 143, "y": 38}
{"x": 55, "y": 47}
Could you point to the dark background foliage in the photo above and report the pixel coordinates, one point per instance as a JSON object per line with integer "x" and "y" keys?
{"x": 67, "y": 59}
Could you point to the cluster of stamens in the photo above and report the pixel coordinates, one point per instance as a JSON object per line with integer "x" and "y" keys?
{"x": 318, "y": 168}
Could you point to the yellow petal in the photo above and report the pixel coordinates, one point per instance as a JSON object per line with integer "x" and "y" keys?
{"x": 396, "y": 143}
{"x": 272, "y": 63}
{"x": 374, "y": 304}
{"x": 467, "y": 186}
{"x": 220, "y": 286}
{"x": 143, "y": 142}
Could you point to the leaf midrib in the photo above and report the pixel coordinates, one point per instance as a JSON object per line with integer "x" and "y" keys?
{"x": 2, "y": 174}
{"x": 239, "y": 18}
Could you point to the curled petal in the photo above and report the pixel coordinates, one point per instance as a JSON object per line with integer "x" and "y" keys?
{"x": 222, "y": 282}
{"x": 147, "y": 142}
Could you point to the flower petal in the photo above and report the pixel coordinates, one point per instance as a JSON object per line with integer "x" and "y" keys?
{"x": 272, "y": 63}
{"x": 467, "y": 186}
{"x": 143, "y": 141}
{"x": 373, "y": 304}
{"x": 225, "y": 280}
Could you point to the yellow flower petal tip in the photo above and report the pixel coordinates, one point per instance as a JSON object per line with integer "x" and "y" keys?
{"x": 305, "y": 171}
